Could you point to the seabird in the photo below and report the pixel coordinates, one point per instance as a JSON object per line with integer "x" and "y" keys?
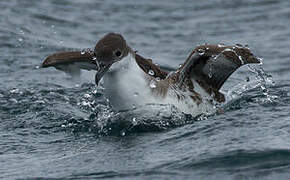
{"x": 131, "y": 80}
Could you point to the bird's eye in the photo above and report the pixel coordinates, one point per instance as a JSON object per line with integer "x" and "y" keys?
{"x": 118, "y": 53}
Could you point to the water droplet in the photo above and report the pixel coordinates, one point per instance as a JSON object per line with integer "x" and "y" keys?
{"x": 63, "y": 126}
{"x": 134, "y": 121}
{"x": 123, "y": 133}
{"x": 201, "y": 51}
{"x": 20, "y": 39}
{"x": 136, "y": 94}
{"x": 201, "y": 118}
{"x": 151, "y": 72}
{"x": 210, "y": 75}
{"x": 241, "y": 59}
{"x": 247, "y": 79}
{"x": 83, "y": 51}
{"x": 153, "y": 84}
{"x": 14, "y": 91}
{"x": 86, "y": 103}
{"x": 260, "y": 59}
{"x": 37, "y": 67}
{"x": 40, "y": 101}
{"x": 21, "y": 31}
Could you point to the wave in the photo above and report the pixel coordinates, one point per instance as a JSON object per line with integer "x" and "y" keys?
{"x": 256, "y": 161}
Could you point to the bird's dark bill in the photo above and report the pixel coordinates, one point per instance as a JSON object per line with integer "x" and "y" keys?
{"x": 101, "y": 71}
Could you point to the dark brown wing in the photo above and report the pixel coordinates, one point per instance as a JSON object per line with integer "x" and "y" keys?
{"x": 70, "y": 59}
{"x": 211, "y": 65}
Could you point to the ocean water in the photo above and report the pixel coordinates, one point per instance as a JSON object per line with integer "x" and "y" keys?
{"x": 55, "y": 127}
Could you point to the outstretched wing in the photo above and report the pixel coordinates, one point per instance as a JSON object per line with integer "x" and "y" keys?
{"x": 71, "y": 61}
{"x": 211, "y": 65}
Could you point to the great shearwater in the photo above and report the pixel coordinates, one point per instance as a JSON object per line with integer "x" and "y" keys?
{"x": 131, "y": 80}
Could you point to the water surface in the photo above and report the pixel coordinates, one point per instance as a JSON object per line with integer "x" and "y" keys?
{"x": 55, "y": 127}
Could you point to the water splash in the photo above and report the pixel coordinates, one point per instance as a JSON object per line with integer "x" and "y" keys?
{"x": 261, "y": 80}
{"x": 264, "y": 80}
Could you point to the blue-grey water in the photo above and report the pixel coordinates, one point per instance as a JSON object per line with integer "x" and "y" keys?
{"x": 55, "y": 127}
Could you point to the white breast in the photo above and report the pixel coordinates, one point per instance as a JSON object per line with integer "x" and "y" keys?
{"x": 125, "y": 85}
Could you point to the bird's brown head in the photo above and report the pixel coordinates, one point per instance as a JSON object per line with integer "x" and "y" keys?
{"x": 111, "y": 48}
{"x": 108, "y": 50}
